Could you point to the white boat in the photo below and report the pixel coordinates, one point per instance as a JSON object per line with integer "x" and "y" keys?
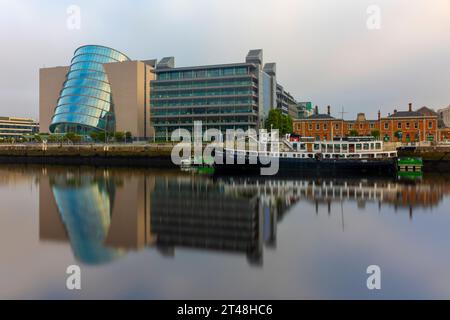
{"x": 358, "y": 154}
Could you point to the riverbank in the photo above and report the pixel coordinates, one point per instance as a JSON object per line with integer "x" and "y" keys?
{"x": 155, "y": 155}
{"x": 149, "y": 155}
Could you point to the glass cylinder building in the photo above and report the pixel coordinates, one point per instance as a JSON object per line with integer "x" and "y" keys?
{"x": 85, "y": 103}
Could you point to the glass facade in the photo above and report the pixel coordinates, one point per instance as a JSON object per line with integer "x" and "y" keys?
{"x": 267, "y": 96}
{"x": 85, "y": 204}
{"x": 222, "y": 97}
{"x": 86, "y": 103}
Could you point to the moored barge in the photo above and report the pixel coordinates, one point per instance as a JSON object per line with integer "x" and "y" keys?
{"x": 352, "y": 155}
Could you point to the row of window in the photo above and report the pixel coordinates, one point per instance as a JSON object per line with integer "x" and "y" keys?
{"x": 206, "y": 121}
{"x": 202, "y": 73}
{"x": 407, "y": 125}
{"x": 337, "y": 126}
{"x": 344, "y": 147}
{"x": 91, "y": 92}
{"x": 400, "y": 125}
{"x": 77, "y": 74}
{"x": 22, "y": 127}
{"x": 200, "y": 84}
{"x": 102, "y": 51}
{"x": 93, "y": 112}
{"x": 175, "y": 112}
{"x": 87, "y": 82}
{"x": 80, "y": 119}
{"x": 204, "y": 102}
{"x": 93, "y": 57}
{"x": 84, "y": 100}
{"x": 166, "y": 132}
{"x": 87, "y": 65}
{"x": 203, "y": 93}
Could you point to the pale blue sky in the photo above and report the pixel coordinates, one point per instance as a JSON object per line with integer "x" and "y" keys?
{"x": 323, "y": 49}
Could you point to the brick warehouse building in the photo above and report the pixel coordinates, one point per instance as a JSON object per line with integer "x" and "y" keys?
{"x": 401, "y": 126}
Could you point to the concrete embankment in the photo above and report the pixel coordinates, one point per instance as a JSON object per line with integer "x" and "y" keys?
{"x": 151, "y": 155}
{"x": 435, "y": 158}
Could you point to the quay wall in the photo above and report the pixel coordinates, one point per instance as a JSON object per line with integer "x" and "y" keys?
{"x": 151, "y": 155}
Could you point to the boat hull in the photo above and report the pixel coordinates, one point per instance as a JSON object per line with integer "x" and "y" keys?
{"x": 314, "y": 166}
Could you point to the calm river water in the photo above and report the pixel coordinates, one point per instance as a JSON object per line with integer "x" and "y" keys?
{"x": 150, "y": 234}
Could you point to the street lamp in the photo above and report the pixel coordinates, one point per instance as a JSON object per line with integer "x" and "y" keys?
{"x": 106, "y": 129}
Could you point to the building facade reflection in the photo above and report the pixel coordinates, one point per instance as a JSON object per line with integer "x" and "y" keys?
{"x": 104, "y": 213}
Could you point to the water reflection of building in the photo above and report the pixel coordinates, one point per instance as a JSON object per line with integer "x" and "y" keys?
{"x": 104, "y": 213}
{"x": 325, "y": 191}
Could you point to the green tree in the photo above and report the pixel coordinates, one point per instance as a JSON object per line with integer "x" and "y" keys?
{"x": 398, "y": 134}
{"x": 375, "y": 133}
{"x": 128, "y": 136}
{"x": 353, "y": 133}
{"x": 94, "y": 135}
{"x": 73, "y": 137}
{"x": 54, "y": 138}
{"x": 119, "y": 136}
{"x": 277, "y": 120}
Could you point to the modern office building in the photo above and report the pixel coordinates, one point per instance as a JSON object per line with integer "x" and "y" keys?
{"x": 11, "y": 127}
{"x": 444, "y": 116}
{"x": 102, "y": 90}
{"x": 285, "y": 101}
{"x": 301, "y": 110}
{"x": 226, "y": 96}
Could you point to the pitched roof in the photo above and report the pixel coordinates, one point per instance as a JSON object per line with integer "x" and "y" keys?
{"x": 320, "y": 117}
{"x": 427, "y": 111}
{"x": 404, "y": 114}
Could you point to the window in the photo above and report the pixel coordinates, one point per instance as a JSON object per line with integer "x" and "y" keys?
{"x": 337, "y": 126}
{"x": 350, "y": 126}
{"x": 318, "y": 126}
{"x": 325, "y": 126}
{"x": 361, "y": 126}
{"x": 416, "y": 125}
{"x": 310, "y": 126}
{"x": 430, "y": 125}
{"x": 399, "y": 125}
{"x": 386, "y": 125}
{"x": 372, "y": 125}
{"x": 407, "y": 125}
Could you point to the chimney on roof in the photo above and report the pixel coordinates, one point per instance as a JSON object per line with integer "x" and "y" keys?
{"x": 379, "y": 114}
{"x": 395, "y": 111}
{"x": 329, "y": 110}
{"x": 316, "y": 110}
{"x": 410, "y": 107}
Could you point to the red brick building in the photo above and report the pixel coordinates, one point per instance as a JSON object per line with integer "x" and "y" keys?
{"x": 404, "y": 126}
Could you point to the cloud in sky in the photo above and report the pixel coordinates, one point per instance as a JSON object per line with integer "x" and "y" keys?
{"x": 323, "y": 49}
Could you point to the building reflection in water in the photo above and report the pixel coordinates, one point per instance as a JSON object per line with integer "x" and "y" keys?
{"x": 104, "y": 213}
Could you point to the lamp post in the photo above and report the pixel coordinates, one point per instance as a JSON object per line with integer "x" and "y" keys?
{"x": 106, "y": 129}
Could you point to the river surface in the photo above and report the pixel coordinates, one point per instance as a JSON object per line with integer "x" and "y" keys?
{"x": 152, "y": 234}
